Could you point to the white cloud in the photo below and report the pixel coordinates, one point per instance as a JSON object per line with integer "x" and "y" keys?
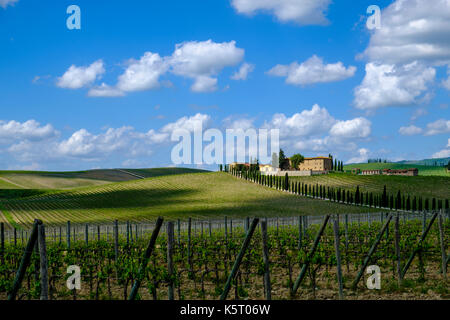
{"x": 412, "y": 30}
{"x": 105, "y": 90}
{"x": 446, "y": 82}
{"x": 79, "y": 77}
{"x": 202, "y": 60}
{"x": 204, "y": 84}
{"x": 243, "y": 72}
{"x": 363, "y": 156}
{"x": 143, "y": 74}
{"x": 316, "y": 130}
{"x": 355, "y": 128}
{"x": 30, "y": 130}
{"x": 444, "y": 153}
{"x": 312, "y": 71}
{"x": 302, "y": 12}
{"x": 306, "y": 123}
{"x": 188, "y": 123}
{"x": 410, "y": 130}
{"x": 438, "y": 127}
{"x": 418, "y": 113}
{"x": 388, "y": 85}
{"x": 5, "y": 3}
{"x": 414, "y": 36}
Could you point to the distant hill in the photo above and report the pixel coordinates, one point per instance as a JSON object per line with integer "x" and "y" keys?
{"x": 424, "y": 170}
{"x": 10, "y": 180}
{"x": 427, "y": 162}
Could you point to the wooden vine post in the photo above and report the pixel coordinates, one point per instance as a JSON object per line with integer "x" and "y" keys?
{"x": 238, "y": 261}
{"x": 145, "y": 258}
{"x": 397, "y": 248}
{"x": 116, "y": 240}
{"x": 267, "y": 285}
{"x": 442, "y": 244}
{"x": 371, "y": 251}
{"x": 419, "y": 245}
{"x": 43, "y": 262}
{"x": 25, "y": 261}
{"x": 2, "y": 242}
{"x": 311, "y": 252}
{"x": 338, "y": 258}
{"x": 170, "y": 245}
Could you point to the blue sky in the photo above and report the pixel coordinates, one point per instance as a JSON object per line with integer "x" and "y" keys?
{"x": 339, "y": 88}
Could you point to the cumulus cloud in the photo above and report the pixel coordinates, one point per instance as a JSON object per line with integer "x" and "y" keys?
{"x": 412, "y": 30}
{"x": 5, "y": 3}
{"x": 438, "y": 127}
{"x": 402, "y": 54}
{"x": 203, "y": 60}
{"x": 105, "y": 90}
{"x": 446, "y": 82}
{"x": 410, "y": 130}
{"x": 30, "y": 130}
{"x": 355, "y": 128}
{"x": 243, "y": 72}
{"x": 316, "y": 130}
{"x": 389, "y": 85}
{"x": 79, "y": 77}
{"x": 143, "y": 74}
{"x": 444, "y": 153}
{"x": 303, "y": 12}
{"x": 188, "y": 123}
{"x": 363, "y": 156}
{"x": 312, "y": 71}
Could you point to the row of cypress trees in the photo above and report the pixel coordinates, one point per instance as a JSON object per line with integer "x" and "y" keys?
{"x": 399, "y": 201}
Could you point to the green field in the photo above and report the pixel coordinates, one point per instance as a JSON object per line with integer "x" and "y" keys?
{"x": 200, "y": 195}
{"x": 423, "y": 186}
{"x": 423, "y": 170}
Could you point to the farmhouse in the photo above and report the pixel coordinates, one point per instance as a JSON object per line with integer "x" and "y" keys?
{"x": 316, "y": 164}
{"x": 401, "y": 172}
{"x": 370, "y": 172}
{"x": 268, "y": 169}
{"x": 237, "y": 165}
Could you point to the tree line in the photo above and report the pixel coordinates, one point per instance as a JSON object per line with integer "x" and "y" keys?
{"x": 398, "y": 201}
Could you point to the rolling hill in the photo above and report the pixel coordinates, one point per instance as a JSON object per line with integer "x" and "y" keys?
{"x": 424, "y": 170}
{"x": 201, "y": 195}
{"x": 423, "y": 186}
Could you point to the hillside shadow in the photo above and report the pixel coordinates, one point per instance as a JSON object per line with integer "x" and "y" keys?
{"x": 114, "y": 199}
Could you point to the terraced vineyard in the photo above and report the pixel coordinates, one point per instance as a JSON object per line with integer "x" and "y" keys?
{"x": 423, "y": 186}
{"x": 199, "y": 195}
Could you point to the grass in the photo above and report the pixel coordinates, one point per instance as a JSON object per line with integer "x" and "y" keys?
{"x": 70, "y": 180}
{"x": 198, "y": 195}
{"x": 424, "y": 186}
{"x": 423, "y": 170}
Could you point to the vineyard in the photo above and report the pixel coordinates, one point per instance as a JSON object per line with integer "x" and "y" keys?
{"x": 198, "y": 195}
{"x": 315, "y": 257}
{"x": 349, "y": 194}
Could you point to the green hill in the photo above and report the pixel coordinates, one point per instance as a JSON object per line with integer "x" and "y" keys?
{"x": 423, "y": 170}
{"x": 69, "y": 180}
{"x": 420, "y": 186}
{"x": 202, "y": 195}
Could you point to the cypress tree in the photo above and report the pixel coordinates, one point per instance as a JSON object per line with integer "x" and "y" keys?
{"x": 420, "y": 204}
{"x": 408, "y": 203}
{"x": 427, "y": 205}
{"x": 414, "y": 204}
{"x": 433, "y": 204}
{"x": 399, "y": 200}
{"x": 286, "y": 181}
{"x": 357, "y": 195}
{"x": 384, "y": 198}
